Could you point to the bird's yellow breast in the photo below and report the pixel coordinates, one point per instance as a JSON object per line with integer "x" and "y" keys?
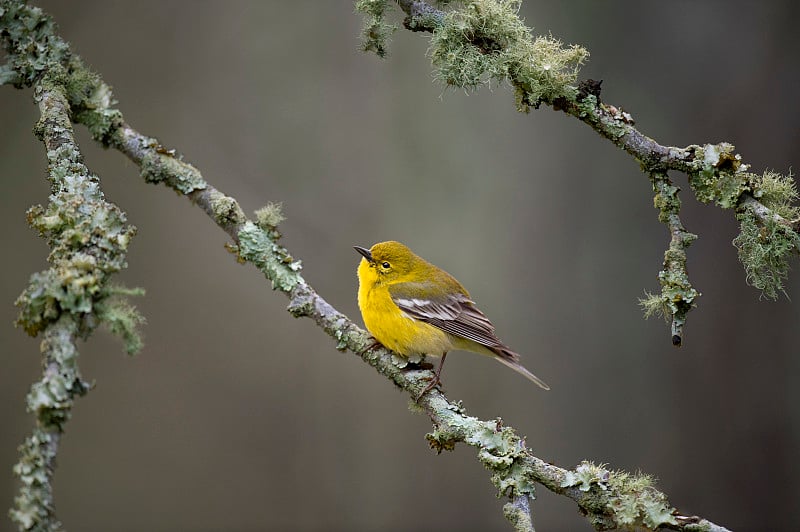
{"x": 392, "y": 327}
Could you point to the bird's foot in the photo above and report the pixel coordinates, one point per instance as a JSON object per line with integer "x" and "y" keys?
{"x": 435, "y": 381}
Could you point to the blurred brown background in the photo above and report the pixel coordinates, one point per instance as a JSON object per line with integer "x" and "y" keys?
{"x": 238, "y": 417}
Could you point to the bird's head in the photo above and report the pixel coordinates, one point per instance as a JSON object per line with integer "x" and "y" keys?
{"x": 386, "y": 261}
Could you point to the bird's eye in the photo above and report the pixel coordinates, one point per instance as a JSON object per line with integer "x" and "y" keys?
{"x": 385, "y": 265}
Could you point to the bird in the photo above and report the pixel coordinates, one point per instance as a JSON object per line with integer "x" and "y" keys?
{"x": 415, "y": 309}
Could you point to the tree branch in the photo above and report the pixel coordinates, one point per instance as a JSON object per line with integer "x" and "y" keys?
{"x": 677, "y": 295}
{"x": 609, "y": 499}
{"x": 498, "y": 46}
{"x": 88, "y": 238}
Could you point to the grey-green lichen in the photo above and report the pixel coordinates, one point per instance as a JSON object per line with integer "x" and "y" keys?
{"x": 677, "y": 292}
{"x": 609, "y": 121}
{"x": 677, "y": 295}
{"x": 34, "y": 48}
{"x": 88, "y": 238}
{"x": 163, "y": 167}
{"x": 91, "y": 101}
{"x": 500, "y": 450}
{"x": 766, "y": 245}
{"x": 225, "y": 210}
{"x": 764, "y": 251}
{"x": 50, "y": 399}
{"x": 777, "y": 192}
{"x": 376, "y": 31}
{"x": 485, "y": 40}
{"x": 717, "y": 174}
{"x": 518, "y": 513}
{"x": 31, "y": 41}
{"x": 122, "y": 319}
{"x": 630, "y": 500}
{"x": 586, "y": 475}
{"x": 33, "y": 506}
{"x": 256, "y": 246}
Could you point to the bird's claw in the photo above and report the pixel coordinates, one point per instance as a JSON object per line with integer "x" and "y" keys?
{"x": 435, "y": 382}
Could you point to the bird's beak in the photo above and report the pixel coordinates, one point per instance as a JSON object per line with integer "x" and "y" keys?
{"x": 365, "y": 252}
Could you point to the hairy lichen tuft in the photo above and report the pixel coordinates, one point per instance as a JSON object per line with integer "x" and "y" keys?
{"x": 764, "y": 251}
{"x": 122, "y": 319}
{"x": 91, "y": 99}
{"x": 270, "y": 216}
{"x": 376, "y": 32}
{"x": 766, "y": 244}
{"x": 655, "y": 305}
{"x": 485, "y": 40}
{"x": 777, "y": 192}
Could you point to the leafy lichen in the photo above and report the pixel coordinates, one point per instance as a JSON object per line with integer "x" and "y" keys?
{"x": 718, "y": 175}
{"x": 88, "y": 239}
{"x": 256, "y": 246}
{"x": 225, "y": 209}
{"x": 631, "y": 500}
{"x": 31, "y": 42}
{"x": 585, "y": 476}
{"x": 158, "y": 167}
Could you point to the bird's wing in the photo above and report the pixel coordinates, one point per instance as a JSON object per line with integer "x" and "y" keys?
{"x": 453, "y": 313}
{"x": 456, "y": 314}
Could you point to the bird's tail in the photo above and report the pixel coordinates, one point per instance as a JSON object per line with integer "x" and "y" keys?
{"x": 511, "y": 359}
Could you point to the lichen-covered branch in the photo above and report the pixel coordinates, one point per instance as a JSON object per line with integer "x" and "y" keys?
{"x": 475, "y": 42}
{"x": 63, "y": 303}
{"x": 88, "y": 238}
{"x": 677, "y": 294}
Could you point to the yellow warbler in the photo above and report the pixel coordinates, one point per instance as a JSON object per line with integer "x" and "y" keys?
{"x": 414, "y": 308}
